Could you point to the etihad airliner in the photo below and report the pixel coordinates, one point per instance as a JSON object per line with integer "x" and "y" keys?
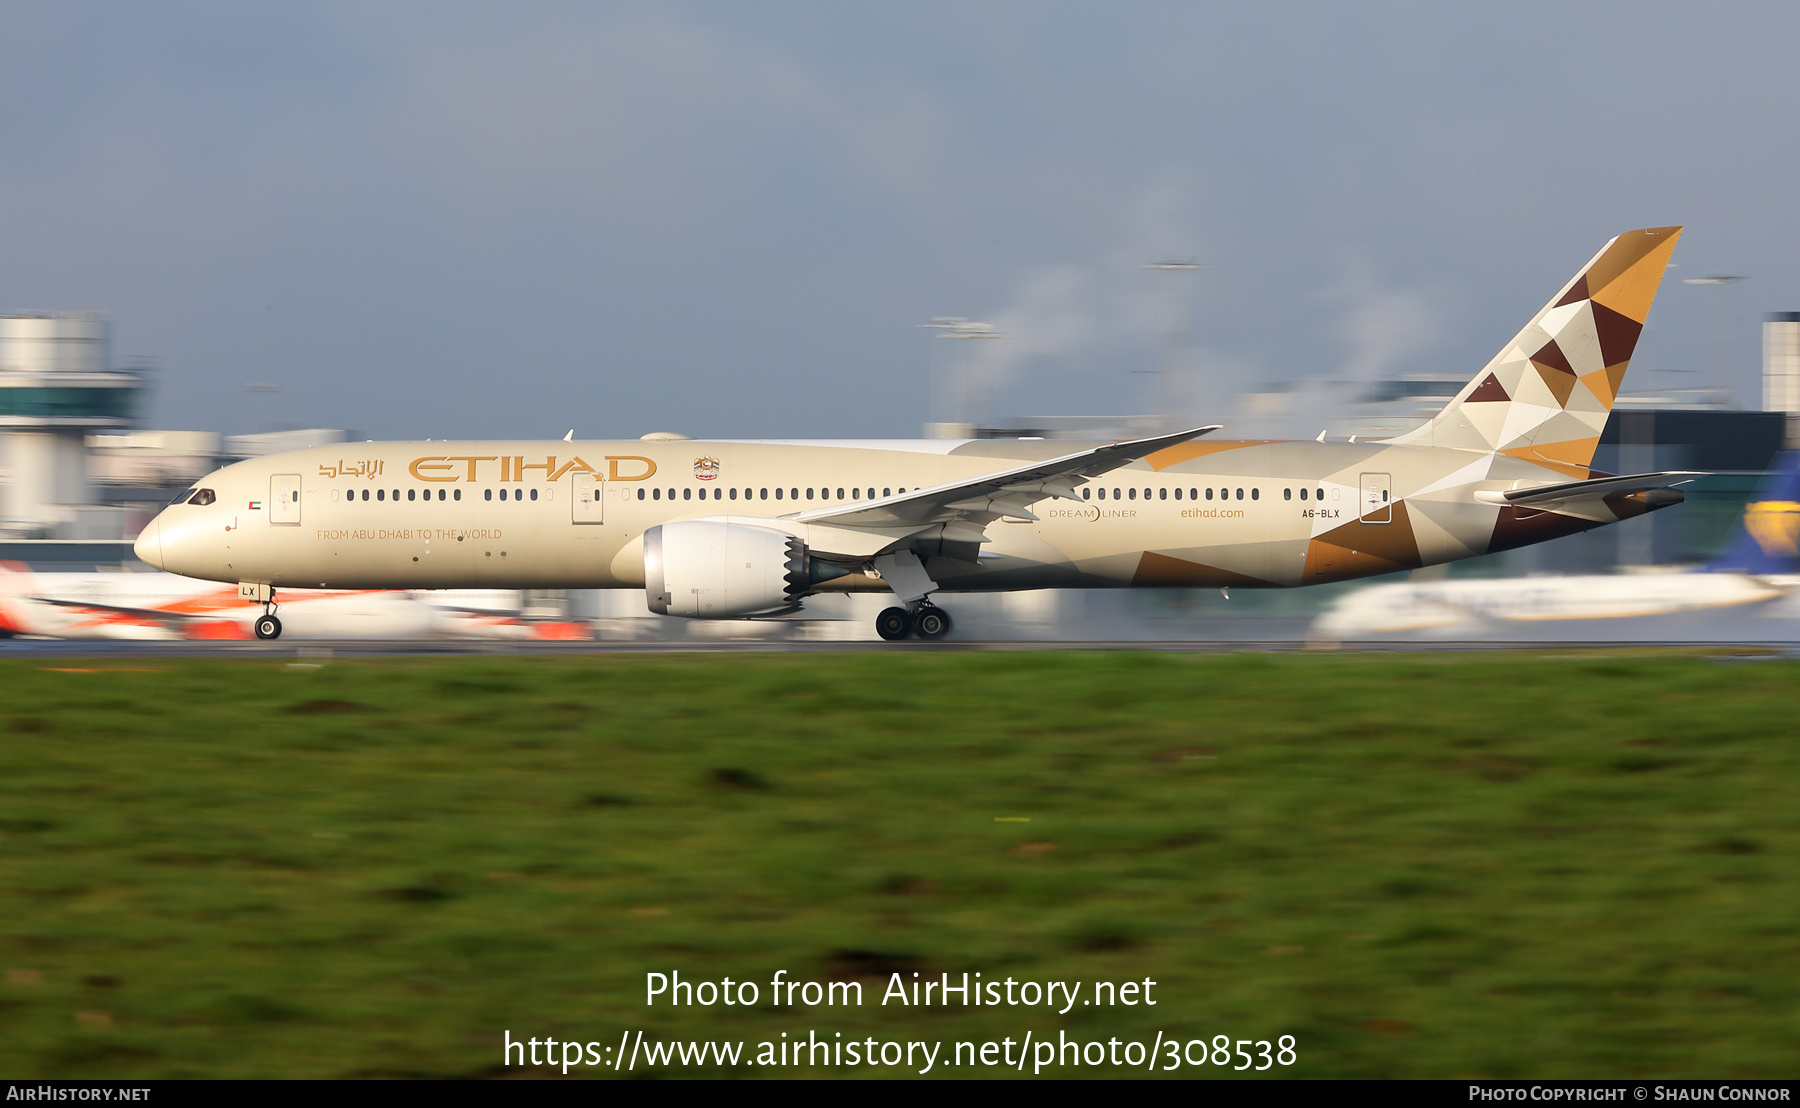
{"x": 744, "y": 529}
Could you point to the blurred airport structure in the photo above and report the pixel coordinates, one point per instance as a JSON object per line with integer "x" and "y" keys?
{"x": 79, "y": 477}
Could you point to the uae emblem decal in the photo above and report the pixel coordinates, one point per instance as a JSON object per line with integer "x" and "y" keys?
{"x": 706, "y": 469}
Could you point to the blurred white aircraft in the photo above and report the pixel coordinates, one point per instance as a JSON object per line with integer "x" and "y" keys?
{"x": 1758, "y": 565}
{"x": 167, "y": 606}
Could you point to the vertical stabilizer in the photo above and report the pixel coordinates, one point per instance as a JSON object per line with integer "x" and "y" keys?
{"x": 1767, "y": 536}
{"x": 1546, "y": 395}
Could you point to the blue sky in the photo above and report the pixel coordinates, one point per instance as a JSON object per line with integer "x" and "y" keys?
{"x": 729, "y": 219}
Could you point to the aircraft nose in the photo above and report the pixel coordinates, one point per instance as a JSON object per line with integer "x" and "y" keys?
{"x": 149, "y": 544}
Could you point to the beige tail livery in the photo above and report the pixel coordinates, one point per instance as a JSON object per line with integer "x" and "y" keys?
{"x": 1545, "y": 397}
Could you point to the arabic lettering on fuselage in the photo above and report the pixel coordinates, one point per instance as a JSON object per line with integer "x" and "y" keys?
{"x": 370, "y": 468}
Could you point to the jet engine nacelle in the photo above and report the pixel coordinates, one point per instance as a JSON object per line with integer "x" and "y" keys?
{"x": 717, "y": 569}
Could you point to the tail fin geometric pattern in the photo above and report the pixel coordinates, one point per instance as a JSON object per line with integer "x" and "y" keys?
{"x": 1546, "y": 395}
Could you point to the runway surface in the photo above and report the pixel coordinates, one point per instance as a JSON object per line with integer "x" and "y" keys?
{"x": 315, "y": 652}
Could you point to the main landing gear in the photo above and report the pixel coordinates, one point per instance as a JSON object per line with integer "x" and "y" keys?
{"x": 926, "y": 620}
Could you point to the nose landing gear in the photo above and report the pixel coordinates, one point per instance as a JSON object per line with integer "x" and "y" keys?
{"x": 267, "y": 626}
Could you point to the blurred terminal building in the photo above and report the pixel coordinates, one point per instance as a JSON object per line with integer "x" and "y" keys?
{"x": 78, "y": 476}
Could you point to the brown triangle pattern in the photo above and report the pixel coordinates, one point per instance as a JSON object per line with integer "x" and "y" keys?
{"x": 1561, "y": 385}
{"x": 1577, "y": 292}
{"x": 1552, "y": 357}
{"x": 1489, "y": 391}
{"x": 1618, "y": 334}
{"x": 1360, "y": 549}
{"x": 1161, "y": 570}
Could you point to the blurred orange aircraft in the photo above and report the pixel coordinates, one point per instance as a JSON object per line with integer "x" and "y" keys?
{"x": 166, "y": 606}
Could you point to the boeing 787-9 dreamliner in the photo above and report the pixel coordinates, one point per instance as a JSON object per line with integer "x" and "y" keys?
{"x": 743, "y": 529}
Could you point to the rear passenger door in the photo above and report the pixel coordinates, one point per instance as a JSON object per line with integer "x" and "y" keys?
{"x": 1376, "y": 489}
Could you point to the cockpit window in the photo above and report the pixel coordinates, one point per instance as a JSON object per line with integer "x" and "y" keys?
{"x": 202, "y": 498}
{"x": 182, "y": 496}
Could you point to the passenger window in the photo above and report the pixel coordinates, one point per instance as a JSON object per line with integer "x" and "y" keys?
{"x": 809, "y": 493}
{"x": 1319, "y": 494}
{"x": 1240, "y": 494}
{"x": 412, "y": 494}
{"x": 1209, "y": 492}
{"x": 1287, "y": 494}
{"x": 488, "y": 494}
{"x": 1193, "y": 494}
{"x": 297, "y": 496}
{"x": 381, "y": 494}
{"x": 793, "y": 494}
{"x": 534, "y": 494}
{"x": 1384, "y": 493}
{"x": 1255, "y": 494}
{"x": 1085, "y": 494}
{"x": 1178, "y": 494}
{"x": 686, "y": 494}
{"x": 1162, "y": 494}
{"x": 840, "y": 495}
{"x": 734, "y": 493}
{"x": 365, "y": 494}
{"x": 204, "y": 497}
{"x": 778, "y": 494}
{"x": 440, "y": 494}
{"x": 655, "y": 494}
{"x": 765, "y": 494}
{"x": 1303, "y": 494}
{"x": 1133, "y": 493}
{"x": 884, "y": 492}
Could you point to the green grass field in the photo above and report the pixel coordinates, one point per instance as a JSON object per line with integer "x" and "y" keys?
{"x": 1446, "y": 866}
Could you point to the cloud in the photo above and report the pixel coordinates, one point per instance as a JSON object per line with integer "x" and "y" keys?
{"x": 1107, "y": 316}
{"x": 1379, "y": 329}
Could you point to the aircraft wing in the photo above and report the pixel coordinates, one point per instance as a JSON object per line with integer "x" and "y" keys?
{"x": 160, "y": 616}
{"x": 1597, "y": 488}
{"x": 973, "y": 504}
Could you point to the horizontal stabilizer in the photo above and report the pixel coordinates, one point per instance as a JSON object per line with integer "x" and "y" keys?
{"x": 1598, "y": 488}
